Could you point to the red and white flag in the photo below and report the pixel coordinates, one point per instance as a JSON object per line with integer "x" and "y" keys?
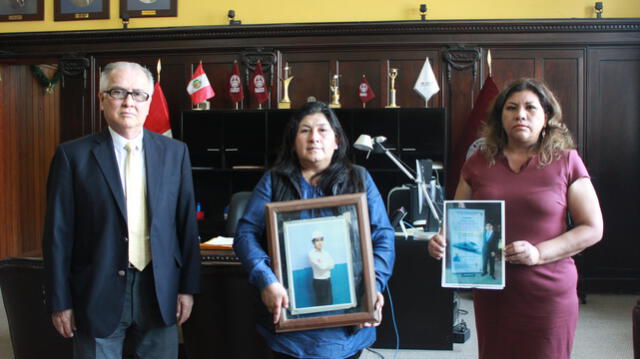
{"x": 472, "y": 127}
{"x": 365, "y": 92}
{"x": 426, "y": 85}
{"x": 258, "y": 85}
{"x": 199, "y": 87}
{"x": 236, "y": 93}
{"x": 158, "y": 118}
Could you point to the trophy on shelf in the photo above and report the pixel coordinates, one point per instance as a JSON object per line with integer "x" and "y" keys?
{"x": 393, "y": 73}
{"x": 285, "y": 102}
{"x": 335, "y": 92}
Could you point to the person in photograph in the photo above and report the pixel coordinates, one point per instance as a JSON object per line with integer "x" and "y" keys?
{"x": 82, "y": 3}
{"x": 17, "y": 4}
{"x": 321, "y": 265}
{"x": 489, "y": 249}
{"x": 313, "y": 162}
{"x": 529, "y": 161}
{"x": 120, "y": 247}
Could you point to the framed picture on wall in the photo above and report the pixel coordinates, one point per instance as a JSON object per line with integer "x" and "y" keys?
{"x": 21, "y": 10}
{"x": 148, "y": 8}
{"x": 321, "y": 253}
{"x": 65, "y": 10}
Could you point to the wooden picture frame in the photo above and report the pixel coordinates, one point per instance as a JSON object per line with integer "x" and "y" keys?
{"x": 293, "y": 228}
{"x": 22, "y": 10}
{"x": 68, "y": 10}
{"x": 148, "y": 8}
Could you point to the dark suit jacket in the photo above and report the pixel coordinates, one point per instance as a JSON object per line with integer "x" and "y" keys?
{"x": 85, "y": 237}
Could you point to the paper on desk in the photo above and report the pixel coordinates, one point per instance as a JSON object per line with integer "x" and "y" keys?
{"x": 218, "y": 242}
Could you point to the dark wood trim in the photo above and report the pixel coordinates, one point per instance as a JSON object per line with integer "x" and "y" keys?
{"x": 547, "y": 32}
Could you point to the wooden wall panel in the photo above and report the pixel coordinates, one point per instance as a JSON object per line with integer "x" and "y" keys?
{"x": 30, "y": 124}
{"x": 311, "y": 79}
{"x": 565, "y": 77}
{"x": 612, "y": 153}
{"x": 9, "y": 230}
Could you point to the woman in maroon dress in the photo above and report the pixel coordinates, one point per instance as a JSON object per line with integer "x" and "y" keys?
{"x": 529, "y": 161}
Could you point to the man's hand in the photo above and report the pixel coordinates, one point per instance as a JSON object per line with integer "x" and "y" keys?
{"x": 64, "y": 322}
{"x": 183, "y": 310}
{"x": 275, "y": 297}
{"x": 378, "y": 312}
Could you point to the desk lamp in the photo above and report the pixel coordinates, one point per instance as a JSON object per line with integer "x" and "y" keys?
{"x": 366, "y": 143}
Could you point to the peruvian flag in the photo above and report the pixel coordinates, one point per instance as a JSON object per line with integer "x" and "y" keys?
{"x": 236, "y": 93}
{"x": 199, "y": 87}
{"x": 365, "y": 93}
{"x": 258, "y": 85}
{"x": 158, "y": 118}
{"x": 472, "y": 127}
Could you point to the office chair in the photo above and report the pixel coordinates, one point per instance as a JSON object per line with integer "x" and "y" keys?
{"x": 236, "y": 210}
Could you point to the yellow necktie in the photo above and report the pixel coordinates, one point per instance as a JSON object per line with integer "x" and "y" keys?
{"x": 139, "y": 248}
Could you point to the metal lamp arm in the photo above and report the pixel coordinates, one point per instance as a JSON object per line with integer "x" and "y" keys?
{"x": 414, "y": 180}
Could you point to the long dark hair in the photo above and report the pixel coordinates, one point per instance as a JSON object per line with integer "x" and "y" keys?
{"x": 340, "y": 174}
{"x": 555, "y": 136}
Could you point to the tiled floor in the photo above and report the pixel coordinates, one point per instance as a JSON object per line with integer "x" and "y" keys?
{"x": 604, "y": 331}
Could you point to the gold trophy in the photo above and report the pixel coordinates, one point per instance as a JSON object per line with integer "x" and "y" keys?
{"x": 335, "y": 92}
{"x": 393, "y": 73}
{"x": 285, "y": 102}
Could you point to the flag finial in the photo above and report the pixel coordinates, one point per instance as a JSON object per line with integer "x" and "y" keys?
{"x": 158, "y": 69}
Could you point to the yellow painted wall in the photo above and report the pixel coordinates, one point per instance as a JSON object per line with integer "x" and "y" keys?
{"x": 214, "y": 12}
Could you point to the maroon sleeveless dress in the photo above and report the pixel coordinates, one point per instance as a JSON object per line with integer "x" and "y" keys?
{"x": 535, "y": 315}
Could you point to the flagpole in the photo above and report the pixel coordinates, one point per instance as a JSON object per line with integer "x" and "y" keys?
{"x": 489, "y": 60}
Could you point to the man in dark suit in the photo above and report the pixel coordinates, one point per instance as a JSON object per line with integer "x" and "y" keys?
{"x": 120, "y": 242}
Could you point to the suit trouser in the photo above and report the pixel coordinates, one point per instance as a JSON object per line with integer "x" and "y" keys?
{"x": 323, "y": 291}
{"x": 140, "y": 322}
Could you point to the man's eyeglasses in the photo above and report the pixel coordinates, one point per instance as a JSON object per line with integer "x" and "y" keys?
{"x": 121, "y": 94}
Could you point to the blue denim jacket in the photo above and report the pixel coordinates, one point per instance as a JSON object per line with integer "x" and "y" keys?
{"x": 338, "y": 342}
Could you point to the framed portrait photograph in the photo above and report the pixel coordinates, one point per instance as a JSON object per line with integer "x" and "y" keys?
{"x": 474, "y": 256}
{"x": 21, "y": 10}
{"x": 67, "y": 10}
{"x": 149, "y": 8}
{"x": 321, "y": 253}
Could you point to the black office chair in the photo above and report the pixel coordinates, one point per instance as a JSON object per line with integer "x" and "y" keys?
{"x": 32, "y": 334}
{"x": 236, "y": 210}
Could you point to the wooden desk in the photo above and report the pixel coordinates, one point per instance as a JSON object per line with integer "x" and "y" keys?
{"x": 222, "y": 324}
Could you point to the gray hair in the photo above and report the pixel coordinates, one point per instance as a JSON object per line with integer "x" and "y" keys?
{"x": 106, "y": 71}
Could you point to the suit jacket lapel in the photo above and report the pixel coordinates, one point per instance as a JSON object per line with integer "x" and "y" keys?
{"x": 105, "y": 156}
{"x": 154, "y": 162}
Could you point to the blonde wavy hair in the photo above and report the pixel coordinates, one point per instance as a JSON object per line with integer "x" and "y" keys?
{"x": 554, "y": 138}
